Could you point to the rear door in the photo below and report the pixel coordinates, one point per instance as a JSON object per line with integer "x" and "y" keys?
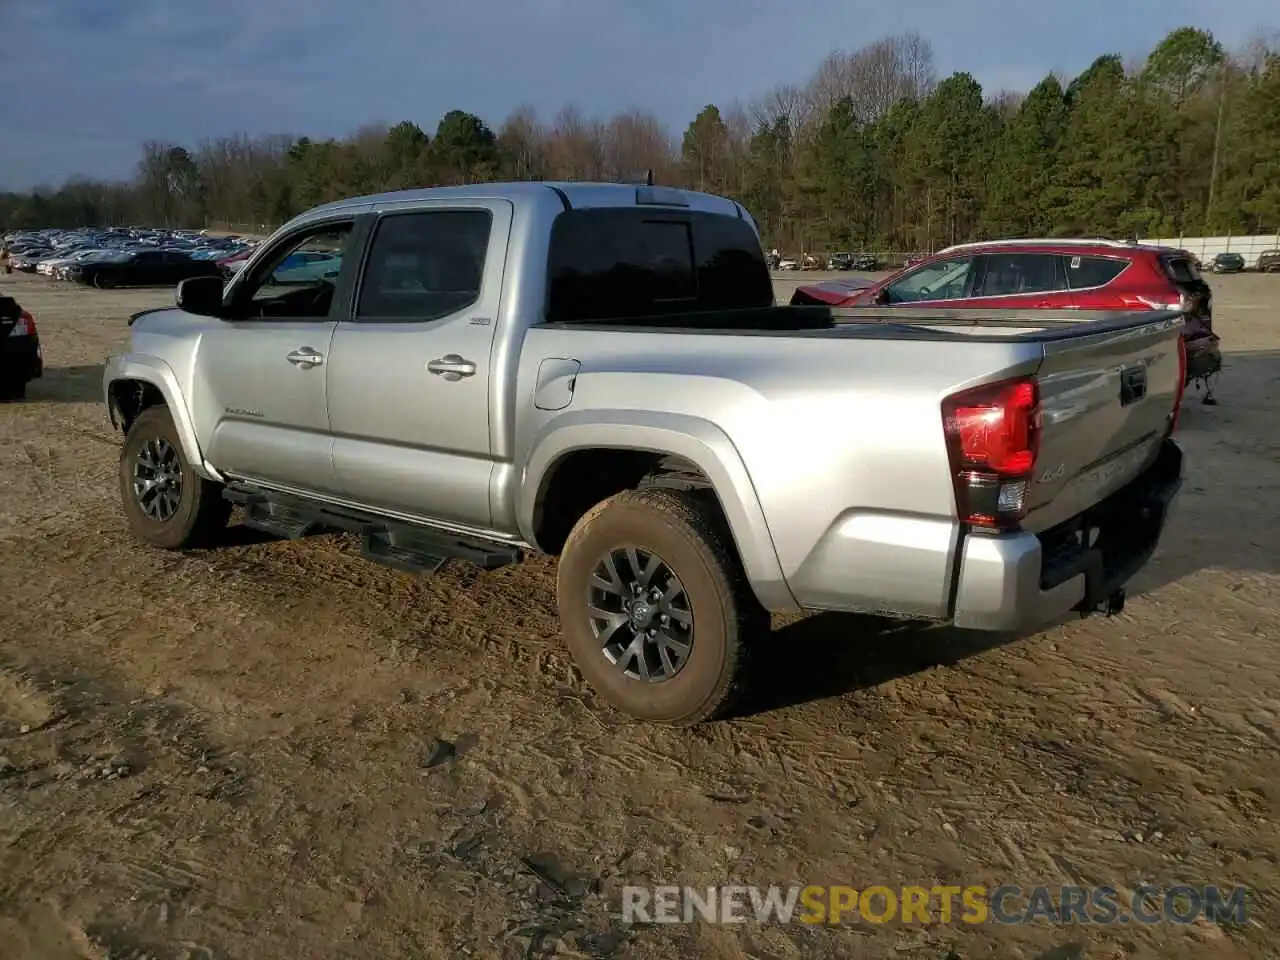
{"x": 1020, "y": 280}
{"x": 409, "y": 375}
{"x": 177, "y": 266}
{"x": 147, "y": 268}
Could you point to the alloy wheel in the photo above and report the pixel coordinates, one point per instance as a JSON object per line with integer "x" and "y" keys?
{"x": 157, "y": 479}
{"x": 640, "y": 614}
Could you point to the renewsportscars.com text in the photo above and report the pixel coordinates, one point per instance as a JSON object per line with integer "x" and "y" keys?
{"x": 1009, "y": 904}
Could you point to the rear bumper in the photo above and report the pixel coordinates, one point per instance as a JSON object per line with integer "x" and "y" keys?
{"x": 1024, "y": 581}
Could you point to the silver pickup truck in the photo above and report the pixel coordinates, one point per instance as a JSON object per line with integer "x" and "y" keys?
{"x": 600, "y": 372}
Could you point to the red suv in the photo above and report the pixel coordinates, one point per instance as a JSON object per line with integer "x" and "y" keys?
{"x": 1051, "y": 275}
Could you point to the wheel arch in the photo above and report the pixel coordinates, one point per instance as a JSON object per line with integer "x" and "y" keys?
{"x": 621, "y": 450}
{"x": 134, "y": 383}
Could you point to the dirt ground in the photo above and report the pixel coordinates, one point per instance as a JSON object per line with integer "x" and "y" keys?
{"x": 223, "y": 754}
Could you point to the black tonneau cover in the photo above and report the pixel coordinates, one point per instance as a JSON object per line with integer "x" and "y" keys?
{"x": 910, "y": 323}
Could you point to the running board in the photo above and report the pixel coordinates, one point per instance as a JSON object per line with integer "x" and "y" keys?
{"x": 404, "y": 546}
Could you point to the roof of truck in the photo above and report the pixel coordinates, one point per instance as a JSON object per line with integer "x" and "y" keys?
{"x": 572, "y": 194}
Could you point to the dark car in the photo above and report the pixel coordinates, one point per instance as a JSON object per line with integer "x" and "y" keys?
{"x": 21, "y": 360}
{"x": 145, "y": 268}
{"x": 840, "y": 261}
{"x": 1227, "y": 263}
{"x": 1269, "y": 261}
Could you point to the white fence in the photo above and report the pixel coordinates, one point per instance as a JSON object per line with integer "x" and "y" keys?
{"x": 1205, "y": 247}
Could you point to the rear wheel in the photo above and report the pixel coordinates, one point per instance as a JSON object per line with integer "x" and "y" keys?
{"x": 655, "y": 608}
{"x": 165, "y": 501}
{"x": 12, "y": 390}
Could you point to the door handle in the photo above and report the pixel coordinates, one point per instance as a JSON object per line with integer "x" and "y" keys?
{"x": 306, "y": 358}
{"x": 452, "y": 367}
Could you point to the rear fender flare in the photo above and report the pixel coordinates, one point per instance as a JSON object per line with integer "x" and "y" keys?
{"x": 152, "y": 370}
{"x": 696, "y": 440}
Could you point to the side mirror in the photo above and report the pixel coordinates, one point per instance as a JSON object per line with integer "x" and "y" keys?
{"x": 201, "y": 295}
{"x": 882, "y": 296}
{"x": 9, "y": 309}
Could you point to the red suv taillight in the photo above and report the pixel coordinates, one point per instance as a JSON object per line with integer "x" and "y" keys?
{"x": 1181, "y": 389}
{"x": 25, "y": 327}
{"x": 993, "y": 438}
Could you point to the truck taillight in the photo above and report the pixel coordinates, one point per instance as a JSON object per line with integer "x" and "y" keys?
{"x": 1181, "y": 388}
{"x": 993, "y": 438}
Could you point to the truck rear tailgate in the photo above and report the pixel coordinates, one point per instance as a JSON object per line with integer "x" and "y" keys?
{"x": 1106, "y": 403}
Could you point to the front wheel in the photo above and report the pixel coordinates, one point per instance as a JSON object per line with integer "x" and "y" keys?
{"x": 166, "y": 502}
{"x": 655, "y": 608}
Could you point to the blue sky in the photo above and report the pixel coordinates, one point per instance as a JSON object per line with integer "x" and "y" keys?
{"x": 88, "y": 80}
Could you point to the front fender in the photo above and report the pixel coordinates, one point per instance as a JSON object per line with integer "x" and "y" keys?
{"x": 153, "y": 370}
{"x": 696, "y": 440}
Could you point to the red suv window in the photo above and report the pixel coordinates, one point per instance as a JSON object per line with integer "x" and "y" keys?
{"x": 1181, "y": 270}
{"x": 1086, "y": 272}
{"x": 1010, "y": 274}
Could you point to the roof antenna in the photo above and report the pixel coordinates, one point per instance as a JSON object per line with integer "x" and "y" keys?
{"x": 648, "y": 178}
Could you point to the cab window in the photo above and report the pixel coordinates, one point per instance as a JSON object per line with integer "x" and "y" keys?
{"x": 298, "y": 279}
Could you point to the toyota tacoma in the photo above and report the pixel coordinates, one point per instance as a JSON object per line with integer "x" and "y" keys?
{"x": 601, "y": 372}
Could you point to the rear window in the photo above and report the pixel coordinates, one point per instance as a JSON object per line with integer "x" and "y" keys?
{"x": 1181, "y": 270}
{"x": 623, "y": 263}
{"x": 1086, "y": 272}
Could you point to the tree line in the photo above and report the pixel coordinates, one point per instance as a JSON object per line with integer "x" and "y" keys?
{"x": 874, "y": 152}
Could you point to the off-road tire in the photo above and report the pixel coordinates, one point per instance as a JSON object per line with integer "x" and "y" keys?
{"x": 202, "y": 513}
{"x": 11, "y": 390}
{"x": 687, "y": 531}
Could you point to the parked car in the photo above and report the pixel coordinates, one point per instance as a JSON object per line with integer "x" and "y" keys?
{"x": 27, "y": 260}
{"x": 1227, "y": 263}
{"x": 1269, "y": 261}
{"x": 21, "y": 359}
{"x": 1050, "y": 275}
{"x": 144, "y": 268}
{"x": 469, "y": 389}
{"x": 851, "y": 261}
{"x": 231, "y": 265}
{"x": 308, "y": 266}
{"x": 105, "y": 255}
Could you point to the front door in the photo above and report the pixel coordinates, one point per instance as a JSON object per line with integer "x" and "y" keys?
{"x": 409, "y": 374}
{"x": 260, "y": 378}
{"x": 937, "y": 283}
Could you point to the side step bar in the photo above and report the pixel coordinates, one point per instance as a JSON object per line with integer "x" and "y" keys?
{"x": 405, "y": 546}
